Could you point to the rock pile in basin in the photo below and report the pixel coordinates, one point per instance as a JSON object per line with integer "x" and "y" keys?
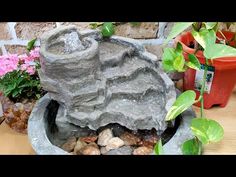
{"x": 111, "y": 141}
{"x": 106, "y": 81}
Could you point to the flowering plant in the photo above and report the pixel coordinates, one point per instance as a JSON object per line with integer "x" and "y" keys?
{"x": 18, "y": 75}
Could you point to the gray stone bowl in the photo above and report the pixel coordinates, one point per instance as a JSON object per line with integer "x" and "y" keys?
{"x": 39, "y": 135}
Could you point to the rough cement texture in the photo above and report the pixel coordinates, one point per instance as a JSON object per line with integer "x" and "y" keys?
{"x": 43, "y": 142}
{"x": 110, "y": 81}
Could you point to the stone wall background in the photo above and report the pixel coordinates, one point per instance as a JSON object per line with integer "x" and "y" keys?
{"x": 14, "y": 36}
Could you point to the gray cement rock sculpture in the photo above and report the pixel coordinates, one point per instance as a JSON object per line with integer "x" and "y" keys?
{"x": 98, "y": 82}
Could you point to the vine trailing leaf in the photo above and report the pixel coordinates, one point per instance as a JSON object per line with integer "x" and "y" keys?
{"x": 183, "y": 102}
{"x": 173, "y": 60}
{"x": 159, "y": 148}
{"x": 204, "y": 37}
{"x": 177, "y": 29}
{"x": 205, "y": 130}
{"x": 30, "y": 44}
{"x": 193, "y": 62}
{"x": 219, "y": 50}
{"x": 191, "y": 147}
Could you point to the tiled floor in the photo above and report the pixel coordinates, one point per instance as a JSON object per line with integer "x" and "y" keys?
{"x": 15, "y": 143}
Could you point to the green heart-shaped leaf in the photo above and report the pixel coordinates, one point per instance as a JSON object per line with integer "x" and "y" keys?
{"x": 219, "y": 50}
{"x": 179, "y": 63}
{"x": 207, "y": 130}
{"x": 179, "y": 48}
{"x": 183, "y": 102}
{"x": 204, "y": 37}
{"x": 30, "y": 44}
{"x": 177, "y": 29}
{"x": 191, "y": 147}
{"x": 168, "y": 59}
{"x": 193, "y": 62}
{"x": 210, "y": 25}
{"x": 158, "y": 148}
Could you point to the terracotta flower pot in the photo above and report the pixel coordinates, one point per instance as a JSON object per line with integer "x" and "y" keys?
{"x": 221, "y": 75}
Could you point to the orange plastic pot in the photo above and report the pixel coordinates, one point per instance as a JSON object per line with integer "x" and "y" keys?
{"x": 221, "y": 75}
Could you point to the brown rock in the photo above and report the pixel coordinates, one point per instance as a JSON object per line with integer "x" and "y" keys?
{"x": 6, "y": 103}
{"x": 4, "y": 34}
{"x": 142, "y": 151}
{"x": 149, "y": 140}
{"x": 104, "y": 137}
{"x": 146, "y": 30}
{"x": 130, "y": 139}
{"x": 79, "y": 145}
{"x": 17, "y": 117}
{"x": 70, "y": 144}
{"x": 0, "y": 51}
{"x": 114, "y": 143}
{"x": 90, "y": 150}
{"x": 1, "y": 109}
{"x": 93, "y": 144}
{"x": 147, "y": 144}
{"x": 103, "y": 150}
{"x": 31, "y": 30}
{"x": 16, "y": 49}
{"x": 89, "y": 139}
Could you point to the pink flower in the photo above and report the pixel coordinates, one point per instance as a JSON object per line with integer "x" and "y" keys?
{"x": 35, "y": 53}
{"x": 11, "y": 62}
{"x": 24, "y": 67}
{"x": 8, "y": 63}
{"x": 31, "y": 70}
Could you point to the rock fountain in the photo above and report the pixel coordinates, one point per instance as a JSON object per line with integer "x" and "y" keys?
{"x": 94, "y": 83}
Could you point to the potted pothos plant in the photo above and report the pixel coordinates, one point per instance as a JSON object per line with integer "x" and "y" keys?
{"x": 19, "y": 86}
{"x": 203, "y": 48}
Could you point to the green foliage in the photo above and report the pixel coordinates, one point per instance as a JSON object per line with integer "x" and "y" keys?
{"x": 183, "y": 102}
{"x": 204, "y": 37}
{"x": 107, "y": 29}
{"x": 178, "y": 63}
{"x": 192, "y": 147}
{"x": 177, "y": 29}
{"x": 193, "y": 62}
{"x": 158, "y": 148}
{"x": 30, "y": 44}
{"x": 219, "y": 50}
{"x": 210, "y": 25}
{"x": 19, "y": 84}
{"x": 168, "y": 58}
{"x": 207, "y": 130}
{"x": 173, "y": 59}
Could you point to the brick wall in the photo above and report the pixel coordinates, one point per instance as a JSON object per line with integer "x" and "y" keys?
{"x": 14, "y": 36}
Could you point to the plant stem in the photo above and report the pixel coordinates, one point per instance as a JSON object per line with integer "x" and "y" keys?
{"x": 198, "y": 27}
{"x": 203, "y": 89}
